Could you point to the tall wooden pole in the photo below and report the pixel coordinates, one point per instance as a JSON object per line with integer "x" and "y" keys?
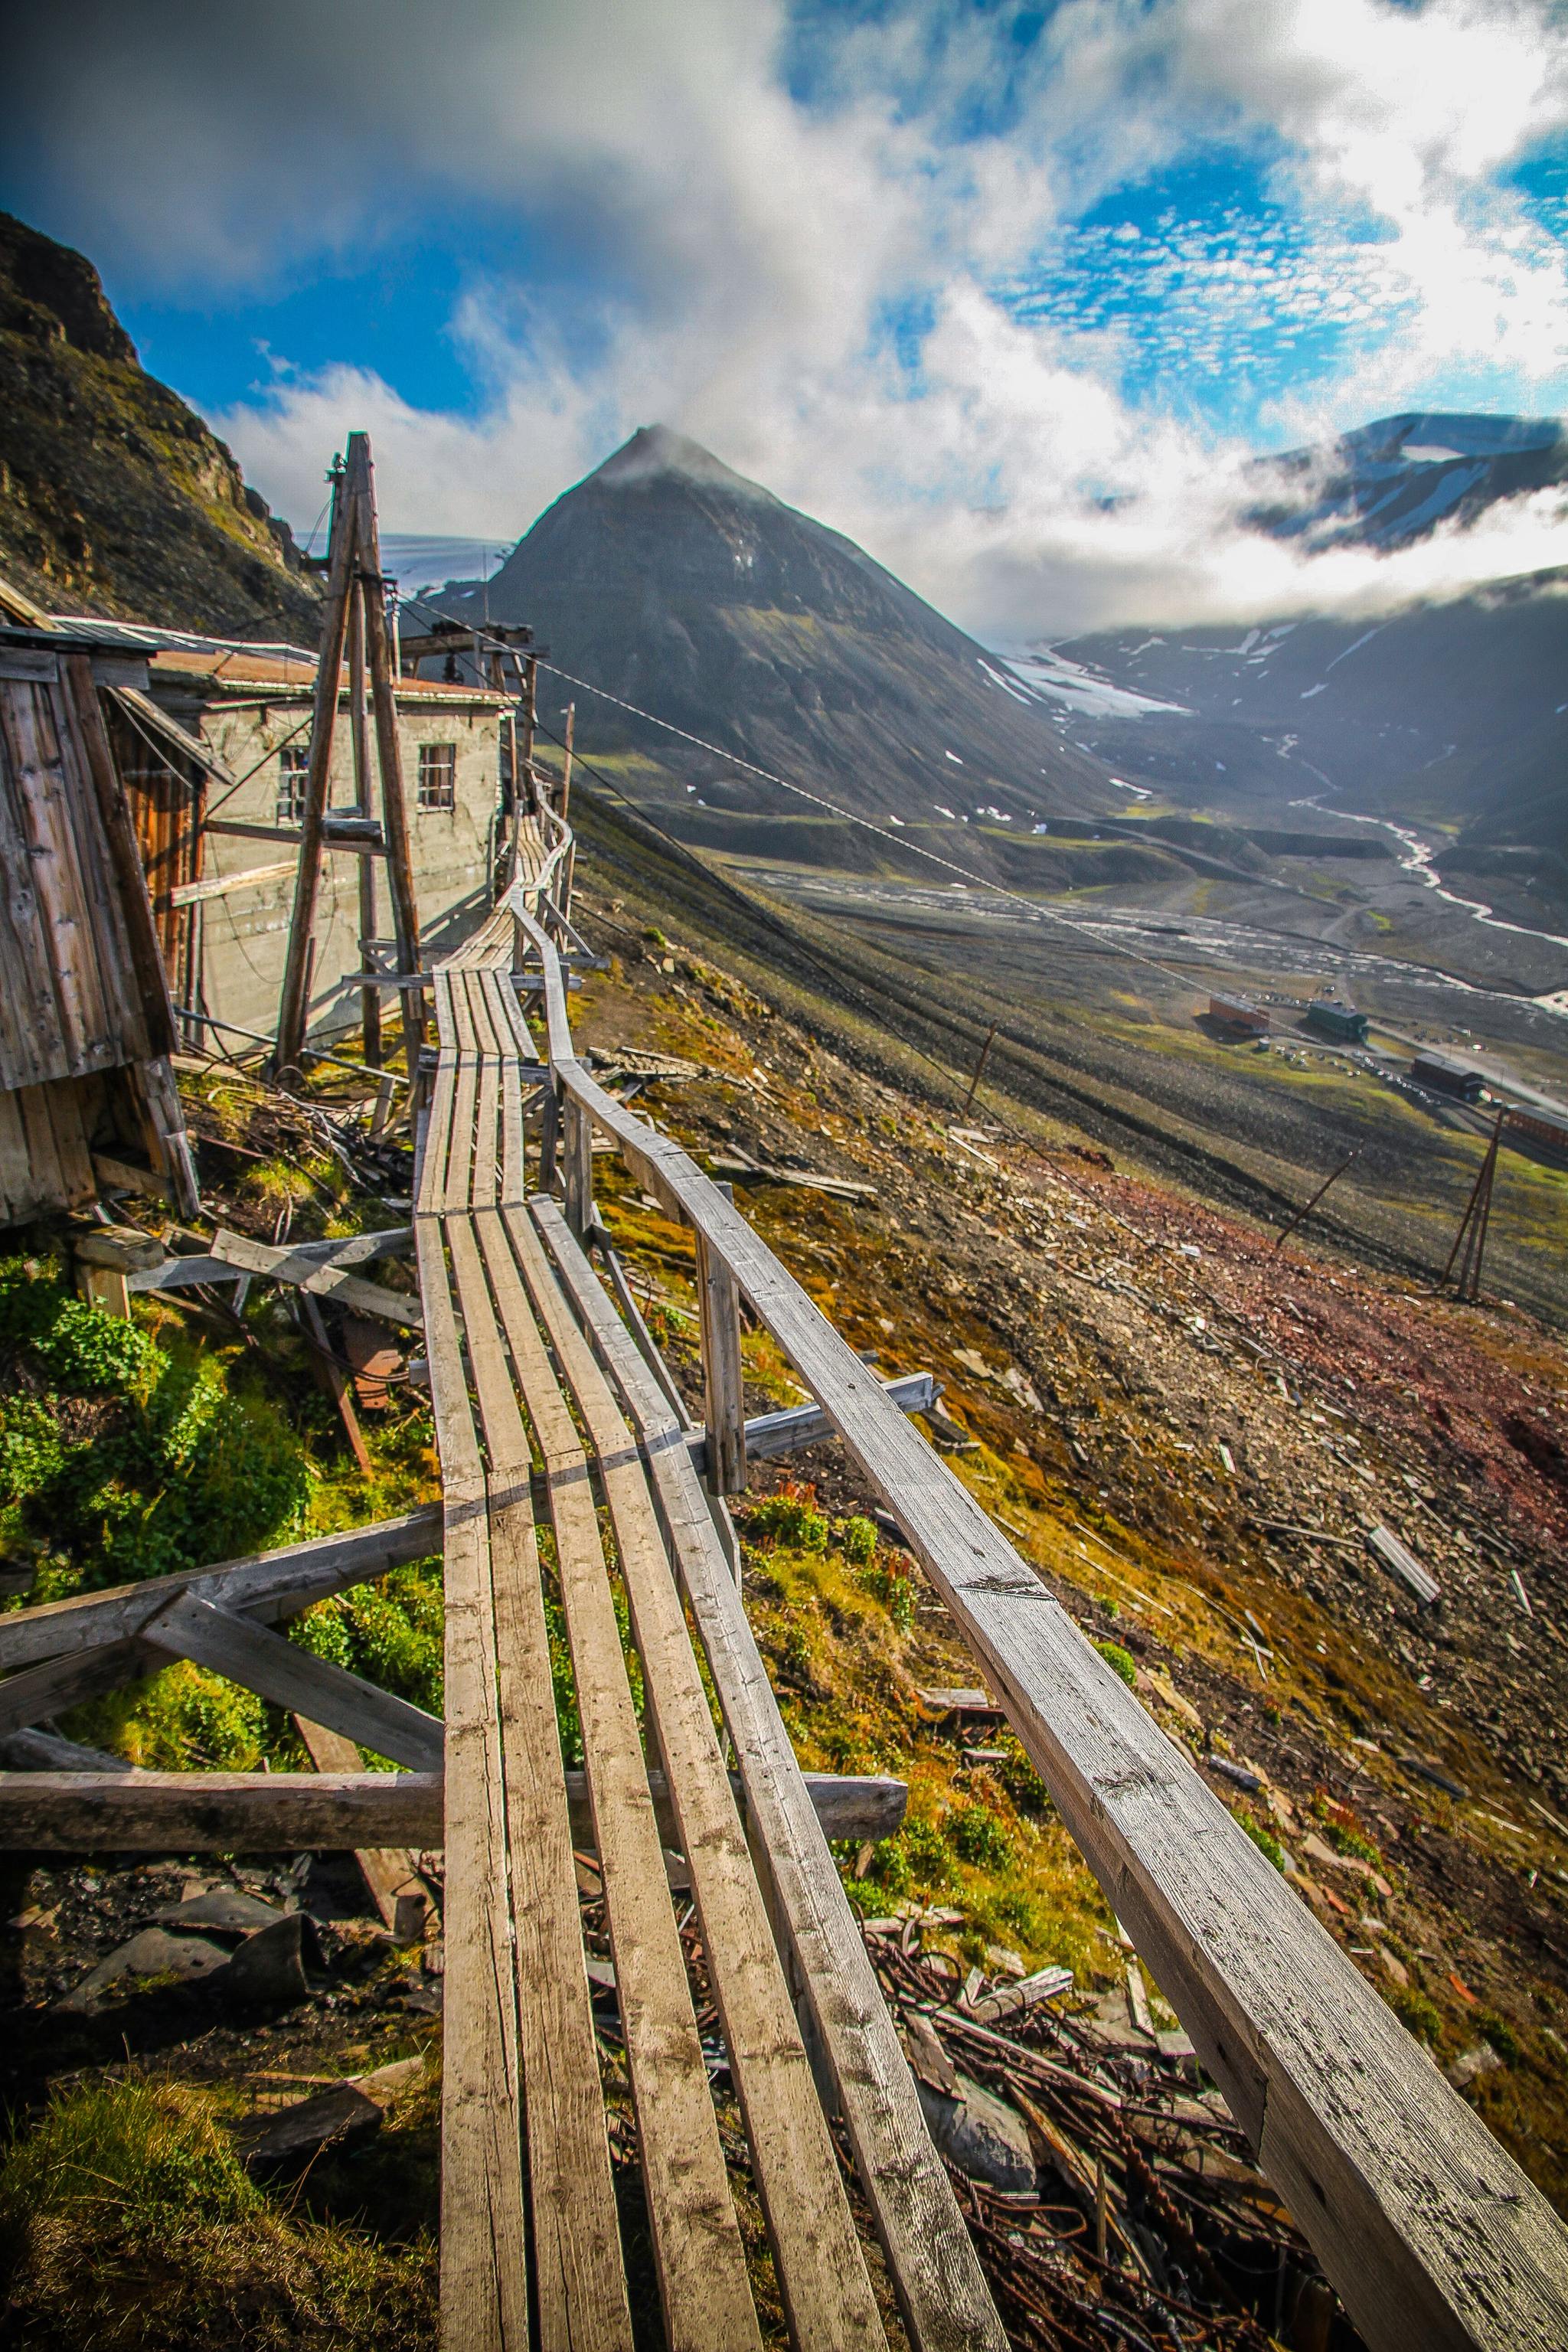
{"x": 1302, "y": 1213}
{"x": 1471, "y": 1239}
{"x": 370, "y": 998}
{"x": 388, "y": 750}
{"x": 294, "y": 1006}
{"x": 979, "y": 1069}
{"x": 530, "y": 690}
{"x": 566, "y": 769}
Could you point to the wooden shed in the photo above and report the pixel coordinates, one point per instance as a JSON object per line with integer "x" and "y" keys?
{"x": 86, "y": 1090}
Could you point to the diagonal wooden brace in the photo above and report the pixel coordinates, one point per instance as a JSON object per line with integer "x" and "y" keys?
{"x": 278, "y": 1670}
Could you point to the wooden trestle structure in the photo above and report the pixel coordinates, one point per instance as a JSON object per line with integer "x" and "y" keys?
{"x": 555, "y": 1420}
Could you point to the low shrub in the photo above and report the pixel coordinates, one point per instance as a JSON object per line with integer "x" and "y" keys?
{"x": 857, "y": 1539}
{"x": 977, "y": 1837}
{"x": 789, "y": 1518}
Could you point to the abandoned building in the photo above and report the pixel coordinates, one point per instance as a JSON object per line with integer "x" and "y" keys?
{"x": 215, "y": 763}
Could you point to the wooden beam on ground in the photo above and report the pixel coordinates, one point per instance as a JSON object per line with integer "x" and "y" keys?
{"x": 316, "y": 1280}
{"x": 822, "y": 2271}
{"x": 278, "y": 1669}
{"x": 266, "y": 1585}
{"x": 216, "y": 1812}
{"x": 1429, "y": 2231}
{"x": 942, "y": 2294}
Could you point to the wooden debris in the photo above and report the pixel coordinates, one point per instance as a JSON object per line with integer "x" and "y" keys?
{"x": 1398, "y": 1556}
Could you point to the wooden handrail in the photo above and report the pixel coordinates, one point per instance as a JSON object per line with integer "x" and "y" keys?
{"x": 1428, "y": 2230}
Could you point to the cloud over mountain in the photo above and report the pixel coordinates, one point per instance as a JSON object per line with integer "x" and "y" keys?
{"x": 1008, "y": 295}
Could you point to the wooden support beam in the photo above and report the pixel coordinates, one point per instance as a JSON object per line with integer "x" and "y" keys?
{"x": 216, "y": 1812}
{"x": 57, "y": 1683}
{"x": 268, "y": 1585}
{"x": 769, "y": 1434}
{"x": 577, "y": 1164}
{"x": 331, "y": 1810}
{"x": 388, "y": 751}
{"x": 723, "y": 1392}
{"x": 293, "y": 1010}
{"x": 278, "y": 1669}
{"x": 388, "y": 1870}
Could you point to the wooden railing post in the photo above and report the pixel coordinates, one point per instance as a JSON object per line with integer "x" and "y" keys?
{"x": 723, "y": 1402}
{"x": 549, "y": 1131}
{"x": 577, "y": 1165}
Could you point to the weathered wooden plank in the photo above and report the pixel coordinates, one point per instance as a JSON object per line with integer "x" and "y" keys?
{"x": 821, "y": 2269}
{"x": 322, "y": 1281}
{"x": 579, "y": 2283}
{"x": 225, "y": 885}
{"x": 701, "y": 2263}
{"x": 388, "y": 1870}
{"x": 942, "y": 2295}
{"x": 723, "y": 1390}
{"x": 60, "y": 1683}
{"x": 1418, "y": 2217}
{"x": 769, "y": 1434}
{"x": 484, "y": 2258}
{"x": 268, "y": 1585}
{"x": 280, "y": 1670}
{"x": 218, "y": 1813}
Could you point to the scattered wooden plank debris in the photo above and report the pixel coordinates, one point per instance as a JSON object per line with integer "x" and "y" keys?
{"x": 308, "y": 1274}
{"x": 1399, "y": 1557}
{"x": 961, "y": 1702}
{"x": 741, "y": 1170}
{"x": 1426, "y": 1771}
{"x": 1011, "y": 2001}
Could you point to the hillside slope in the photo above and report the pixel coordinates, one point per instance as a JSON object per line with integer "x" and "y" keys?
{"x": 113, "y": 494}
{"x": 676, "y": 584}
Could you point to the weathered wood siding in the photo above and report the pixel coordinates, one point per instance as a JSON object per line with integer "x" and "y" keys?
{"x": 70, "y": 995}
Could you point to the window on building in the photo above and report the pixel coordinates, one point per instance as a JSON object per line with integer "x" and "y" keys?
{"x": 293, "y": 760}
{"x": 438, "y": 775}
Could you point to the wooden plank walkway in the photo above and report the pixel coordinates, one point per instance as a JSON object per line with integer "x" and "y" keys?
{"x": 1429, "y": 2231}
{"x": 547, "y": 1489}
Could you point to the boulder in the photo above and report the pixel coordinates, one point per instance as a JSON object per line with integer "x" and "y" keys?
{"x": 339, "y": 2118}
{"x": 153, "y": 1952}
{"x": 268, "y": 1968}
{"x": 225, "y": 1911}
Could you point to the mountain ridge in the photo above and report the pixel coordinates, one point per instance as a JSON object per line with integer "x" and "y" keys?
{"x": 114, "y": 495}
{"x": 683, "y": 587}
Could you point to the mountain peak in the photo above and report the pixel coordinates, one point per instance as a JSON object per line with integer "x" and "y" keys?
{"x": 656, "y": 452}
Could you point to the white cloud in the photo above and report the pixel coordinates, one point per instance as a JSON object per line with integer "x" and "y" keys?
{"x": 741, "y": 251}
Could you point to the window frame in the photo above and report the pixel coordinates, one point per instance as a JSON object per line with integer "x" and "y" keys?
{"x": 436, "y": 786}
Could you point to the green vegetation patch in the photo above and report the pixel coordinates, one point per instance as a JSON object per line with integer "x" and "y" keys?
{"x": 123, "y": 2200}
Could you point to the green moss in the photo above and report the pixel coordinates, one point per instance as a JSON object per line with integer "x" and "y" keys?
{"x": 1121, "y": 1661}
{"x": 977, "y": 1836}
{"x": 1264, "y": 1840}
{"x": 1416, "y": 2013}
{"x": 857, "y": 1539}
{"x": 790, "y": 1517}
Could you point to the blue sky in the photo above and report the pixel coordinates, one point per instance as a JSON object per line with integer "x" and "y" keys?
{"x": 948, "y": 275}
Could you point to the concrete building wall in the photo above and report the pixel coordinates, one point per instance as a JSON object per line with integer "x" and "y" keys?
{"x": 244, "y": 934}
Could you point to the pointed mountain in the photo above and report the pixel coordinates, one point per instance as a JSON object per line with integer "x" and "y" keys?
{"x": 678, "y": 584}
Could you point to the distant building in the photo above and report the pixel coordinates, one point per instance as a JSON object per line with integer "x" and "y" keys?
{"x": 1342, "y": 1023}
{"x": 1445, "y": 1078}
{"x": 1548, "y": 1129}
{"x": 1237, "y": 1014}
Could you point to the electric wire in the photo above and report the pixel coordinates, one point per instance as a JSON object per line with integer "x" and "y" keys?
{"x": 894, "y": 838}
